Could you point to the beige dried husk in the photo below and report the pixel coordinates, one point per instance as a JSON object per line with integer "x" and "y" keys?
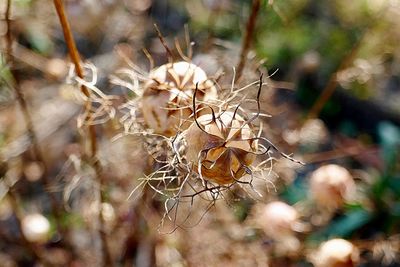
{"x": 167, "y": 96}
{"x": 331, "y": 186}
{"x": 221, "y": 147}
{"x": 336, "y": 253}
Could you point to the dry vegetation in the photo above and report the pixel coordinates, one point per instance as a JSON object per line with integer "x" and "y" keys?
{"x": 199, "y": 133}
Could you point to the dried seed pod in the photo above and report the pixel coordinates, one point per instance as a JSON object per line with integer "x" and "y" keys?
{"x": 36, "y": 228}
{"x": 336, "y": 253}
{"x": 167, "y": 96}
{"x": 278, "y": 219}
{"x": 221, "y": 147}
{"x": 331, "y": 185}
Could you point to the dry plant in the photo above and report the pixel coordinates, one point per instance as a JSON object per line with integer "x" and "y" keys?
{"x": 202, "y": 123}
{"x": 101, "y": 105}
{"x": 10, "y": 182}
{"x": 203, "y": 138}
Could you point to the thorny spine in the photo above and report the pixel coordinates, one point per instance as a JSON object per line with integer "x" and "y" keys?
{"x": 107, "y": 259}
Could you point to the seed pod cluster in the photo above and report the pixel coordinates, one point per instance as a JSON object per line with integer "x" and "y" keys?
{"x": 167, "y": 96}
{"x": 204, "y": 141}
{"x": 220, "y": 146}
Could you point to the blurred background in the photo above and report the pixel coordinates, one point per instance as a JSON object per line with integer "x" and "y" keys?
{"x": 334, "y": 97}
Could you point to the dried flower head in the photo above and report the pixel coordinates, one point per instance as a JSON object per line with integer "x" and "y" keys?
{"x": 277, "y": 219}
{"x": 280, "y": 222}
{"x": 331, "y": 185}
{"x": 336, "y": 253}
{"x": 222, "y": 146}
{"x": 168, "y": 93}
{"x": 35, "y": 228}
{"x": 214, "y": 155}
{"x": 202, "y": 142}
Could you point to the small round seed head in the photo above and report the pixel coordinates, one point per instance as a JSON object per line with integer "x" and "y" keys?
{"x": 336, "y": 253}
{"x": 35, "y": 228}
{"x": 222, "y": 149}
{"x": 331, "y": 185}
{"x": 166, "y": 103}
{"x": 277, "y": 219}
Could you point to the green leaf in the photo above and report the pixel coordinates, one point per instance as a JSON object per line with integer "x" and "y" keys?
{"x": 389, "y": 135}
{"x": 343, "y": 226}
{"x": 295, "y": 192}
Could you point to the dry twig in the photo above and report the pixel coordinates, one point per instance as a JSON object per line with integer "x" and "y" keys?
{"x": 73, "y": 52}
{"x": 251, "y": 23}
{"x": 56, "y": 209}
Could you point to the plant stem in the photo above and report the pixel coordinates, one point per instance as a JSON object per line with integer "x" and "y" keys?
{"x": 56, "y": 210}
{"x": 162, "y": 40}
{"x": 107, "y": 259}
{"x": 74, "y": 54}
{"x": 8, "y": 31}
{"x": 331, "y": 86}
{"x": 250, "y": 27}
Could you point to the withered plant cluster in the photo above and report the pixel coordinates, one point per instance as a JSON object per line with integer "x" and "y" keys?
{"x": 205, "y": 138}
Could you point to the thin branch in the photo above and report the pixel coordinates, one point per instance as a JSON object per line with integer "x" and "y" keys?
{"x": 69, "y": 39}
{"x": 350, "y": 151}
{"x": 332, "y": 84}
{"x": 211, "y": 21}
{"x": 56, "y": 209}
{"x": 74, "y": 54}
{"x": 35, "y": 60}
{"x": 8, "y": 31}
{"x": 250, "y": 27}
{"x": 107, "y": 259}
{"x": 162, "y": 40}
{"x": 149, "y": 57}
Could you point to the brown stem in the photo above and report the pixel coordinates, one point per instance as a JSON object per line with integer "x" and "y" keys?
{"x": 28, "y": 120}
{"x": 211, "y": 21}
{"x": 339, "y": 153}
{"x": 162, "y": 40}
{"x": 69, "y": 39}
{"x": 107, "y": 259}
{"x": 134, "y": 238}
{"x": 330, "y": 87}
{"x": 34, "y": 59}
{"x": 73, "y": 52}
{"x": 251, "y": 23}
{"x": 8, "y": 31}
{"x": 37, "y": 150}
